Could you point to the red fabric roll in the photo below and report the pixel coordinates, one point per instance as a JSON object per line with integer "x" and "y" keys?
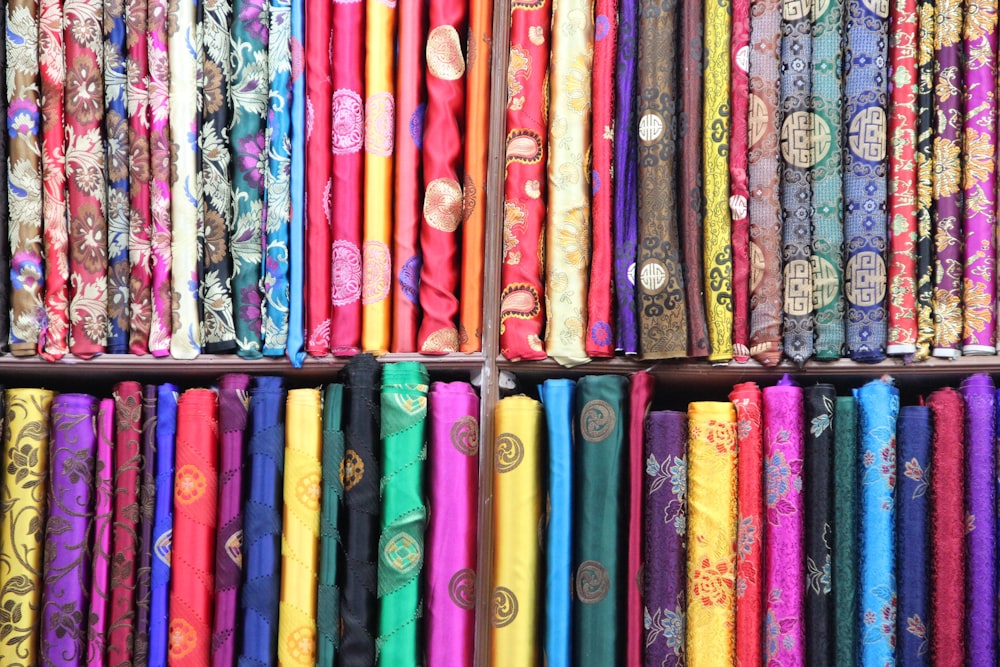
{"x": 739, "y": 184}
{"x": 640, "y": 396}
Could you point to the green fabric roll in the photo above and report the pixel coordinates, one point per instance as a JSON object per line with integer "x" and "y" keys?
{"x": 845, "y": 533}
{"x": 600, "y": 521}
{"x": 404, "y": 515}
{"x": 328, "y": 595}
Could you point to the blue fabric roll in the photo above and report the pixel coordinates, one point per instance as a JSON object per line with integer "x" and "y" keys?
{"x": 878, "y": 409}
{"x": 557, "y": 397}
{"x": 262, "y": 524}
{"x": 913, "y": 535}
{"x": 163, "y": 523}
{"x": 296, "y": 305}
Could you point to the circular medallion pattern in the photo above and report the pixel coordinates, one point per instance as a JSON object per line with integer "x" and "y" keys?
{"x": 377, "y": 271}
{"x": 597, "y": 420}
{"x": 346, "y": 259}
{"x": 444, "y": 53}
{"x": 348, "y": 122}
{"x": 866, "y": 134}
{"x": 379, "y": 118}
{"x": 441, "y": 341}
{"x": 443, "y": 204}
{"x": 797, "y": 139}
{"x": 653, "y": 276}
{"x": 592, "y": 582}
{"x": 465, "y": 435}
{"x": 402, "y": 552}
{"x": 462, "y": 589}
{"x": 504, "y": 607}
{"x": 650, "y": 127}
{"x": 864, "y": 279}
{"x": 509, "y": 452}
{"x": 352, "y": 470}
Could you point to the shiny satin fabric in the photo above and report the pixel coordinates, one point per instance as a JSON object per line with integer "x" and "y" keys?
{"x": 784, "y": 577}
{"x": 557, "y": 399}
{"x": 665, "y": 484}
{"x": 52, "y": 71}
{"x": 234, "y": 396}
{"x": 525, "y": 184}
{"x": 262, "y": 523}
{"x": 300, "y": 528}
{"x": 147, "y": 511}
{"x": 443, "y": 209}
{"x": 641, "y": 387}
{"x": 361, "y": 472}
{"x": 65, "y": 590}
{"x": 878, "y": 410}
{"x": 411, "y": 103}
{"x": 514, "y": 607}
{"x": 297, "y": 222}
{"x": 844, "y": 573}
{"x": 914, "y": 433}
{"x": 979, "y": 395}
{"x": 568, "y": 224}
{"x": 747, "y": 400}
{"x": 125, "y": 533}
{"x": 24, "y": 185}
{"x": 249, "y": 37}
{"x": 376, "y": 260}
{"x": 4, "y": 209}
{"x": 100, "y": 546}
{"x": 478, "y": 66}
{"x": 116, "y": 156}
{"x": 183, "y": 44}
{"x": 319, "y": 177}
{"x": 163, "y": 523}
{"x": 818, "y": 473}
{"x": 925, "y": 177}
{"x": 26, "y": 440}
{"x": 711, "y": 534}
{"x": 403, "y": 518}
{"x": 947, "y": 526}
{"x": 159, "y": 140}
{"x": 195, "y": 519}
{"x": 453, "y": 483}
{"x": 332, "y": 495}
{"x": 739, "y": 193}
{"x": 139, "y": 166}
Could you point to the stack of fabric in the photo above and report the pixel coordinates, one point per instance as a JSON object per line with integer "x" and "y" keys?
{"x": 244, "y": 524}
{"x": 783, "y": 526}
{"x": 738, "y": 179}
{"x": 158, "y": 200}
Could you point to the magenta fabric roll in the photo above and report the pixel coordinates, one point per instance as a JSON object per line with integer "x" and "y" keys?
{"x": 784, "y": 582}
{"x": 100, "y": 592}
{"x": 159, "y": 186}
{"x": 451, "y": 532}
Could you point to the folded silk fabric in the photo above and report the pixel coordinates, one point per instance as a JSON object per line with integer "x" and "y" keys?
{"x": 926, "y": 64}
{"x": 557, "y": 399}
{"x": 163, "y": 523}
{"x": 159, "y": 191}
{"x": 100, "y": 546}
{"x": 453, "y": 480}
{"x": 711, "y": 534}
{"x": 913, "y": 535}
{"x": 403, "y": 513}
{"x": 63, "y": 633}
{"x": 296, "y": 233}
{"x": 147, "y": 509}
{"x": 664, "y": 482}
{"x": 116, "y": 148}
{"x": 625, "y": 181}
{"x": 262, "y": 523}
{"x": 4, "y": 227}
{"x": 818, "y": 474}
{"x": 140, "y": 221}
{"x": 300, "y": 529}
{"x": 514, "y": 606}
{"x": 739, "y": 137}
{"x": 195, "y": 519}
{"x": 640, "y": 398}
{"x": 878, "y": 409}
{"x": 25, "y": 469}
{"x": 328, "y": 595}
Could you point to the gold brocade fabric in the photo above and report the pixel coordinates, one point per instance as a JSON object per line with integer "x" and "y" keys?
{"x": 715, "y": 146}
{"x": 517, "y": 519}
{"x": 711, "y": 525}
{"x": 25, "y": 467}
{"x": 300, "y": 529}
{"x": 567, "y": 230}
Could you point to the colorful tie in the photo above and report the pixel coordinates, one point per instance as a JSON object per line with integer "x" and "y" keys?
{"x": 25, "y": 469}
{"x": 140, "y": 222}
{"x": 567, "y": 229}
{"x": 216, "y": 205}
{"x": 159, "y": 192}
{"x": 52, "y": 69}
{"x": 979, "y": 166}
{"x": 328, "y": 594}
{"x": 411, "y": 105}
{"x": 764, "y": 178}
{"x": 380, "y": 25}
{"x": 100, "y": 544}
{"x": 163, "y": 523}
{"x": 277, "y": 196}
{"x": 913, "y": 545}
{"x": 926, "y": 64}
{"x": 116, "y": 147}
{"x": 442, "y": 159}
{"x": 296, "y": 233}
{"x": 660, "y": 301}
{"x": 739, "y": 194}
{"x": 827, "y": 179}
{"x": 24, "y": 192}
{"x": 625, "y": 180}
{"x": 817, "y": 474}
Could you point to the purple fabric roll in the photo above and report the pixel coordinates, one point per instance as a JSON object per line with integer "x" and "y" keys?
{"x": 100, "y": 591}
{"x": 147, "y": 505}
{"x": 665, "y": 487}
{"x": 626, "y": 184}
{"x": 70, "y": 511}
{"x": 233, "y": 402}
{"x": 981, "y": 527}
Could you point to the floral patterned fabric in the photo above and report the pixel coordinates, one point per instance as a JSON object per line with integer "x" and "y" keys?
{"x": 159, "y": 140}
{"x": 140, "y": 215}
{"x": 913, "y": 535}
{"x": 116, "y": 147}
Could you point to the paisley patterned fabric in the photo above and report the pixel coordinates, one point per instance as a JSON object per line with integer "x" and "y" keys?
{"x": 116, "y": 149}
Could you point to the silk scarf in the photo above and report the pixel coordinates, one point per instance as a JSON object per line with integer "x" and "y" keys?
{"x": 913, "y": 535}
{"x": 100, "y": 545}
{"x": 160, "y": 161}
{"x": 116, "y": 160}
{"x": 163, "y": 523}
{"x": 139, "y": 167}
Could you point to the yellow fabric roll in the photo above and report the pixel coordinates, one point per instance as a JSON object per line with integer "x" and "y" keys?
{"x": 567, "y": 229}
{"x": 711, "y": 537}
{"x": 718, "y": 252}
{"x": 300, "y": 529}
{"x": 25, "y": 467}
{"x": 376, "y": 324}
{"x": 517, "y": 513}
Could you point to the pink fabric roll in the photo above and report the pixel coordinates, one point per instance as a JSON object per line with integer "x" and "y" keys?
{"x": 640, "y": 396}
{"x": 100, "y": 592}
{"x": 450, "y": 620}
{"x": 159, "y": 186}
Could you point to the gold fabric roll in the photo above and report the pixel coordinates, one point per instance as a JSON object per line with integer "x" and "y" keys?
{"x": 300, "y": 529}
{"x": 25, "y": 468}
{"x": 711, "y": 537}
{"x": 517, "y": 515}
